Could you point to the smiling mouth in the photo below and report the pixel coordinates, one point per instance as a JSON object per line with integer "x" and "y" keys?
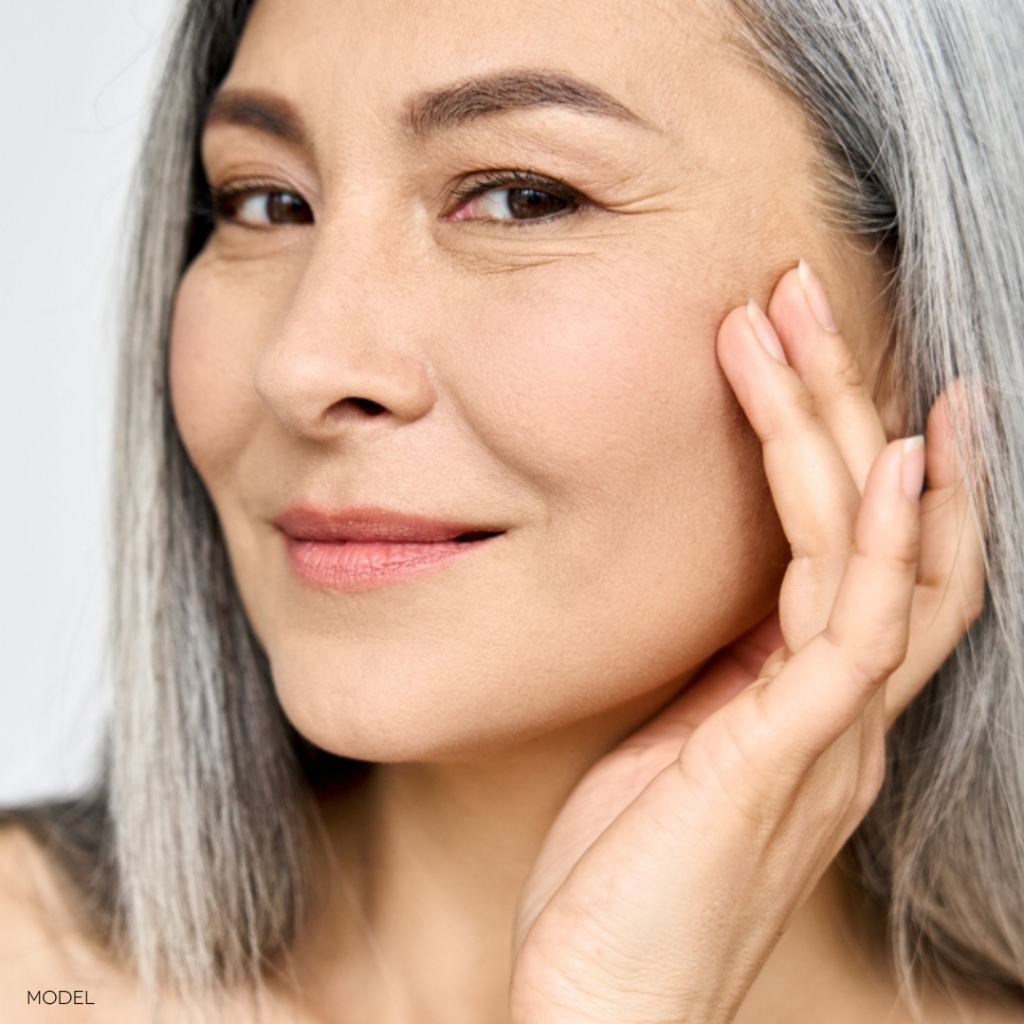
{"x": 365, "y": 547}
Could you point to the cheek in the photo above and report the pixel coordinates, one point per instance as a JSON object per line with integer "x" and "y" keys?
{"x": 602, "y": 389}
{"x": 213, "y": 333}
{"x": 601, "y": 385}
{"x": 593, "y": 394}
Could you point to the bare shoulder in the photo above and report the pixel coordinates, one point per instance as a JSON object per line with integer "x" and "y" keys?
{"x": 51, "y": 971}
{"x": 27, "y": 891}
{"x": 46, "y": 964}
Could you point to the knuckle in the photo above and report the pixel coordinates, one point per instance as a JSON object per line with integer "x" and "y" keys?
{"x": 869, "y": 664}
{"x": 899, "y": 550}
{"x": 803, "y": 405}
{"x": 881, "y": 660}
{"x": 907, "y": 555}
{"x": 846, "y": 372}
{"x": 797, "y": 414}
{"x": 723, "y": 766}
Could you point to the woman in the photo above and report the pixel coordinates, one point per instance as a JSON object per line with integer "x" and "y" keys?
{"x": 493, "y": 572}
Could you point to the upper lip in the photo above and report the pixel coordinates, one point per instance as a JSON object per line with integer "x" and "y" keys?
{"x": 371, "y": 523}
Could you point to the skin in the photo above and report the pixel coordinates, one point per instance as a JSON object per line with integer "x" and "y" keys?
{"x": 518, "y": 390}
{"x": 630, "y": 735}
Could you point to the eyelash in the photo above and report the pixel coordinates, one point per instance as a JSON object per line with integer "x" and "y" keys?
{"x": 216, "y": 205}
{"x": 526, "y": 180}
{"x": 218, "y": 202}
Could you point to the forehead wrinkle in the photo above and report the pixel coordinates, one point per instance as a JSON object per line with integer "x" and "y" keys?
{"x": 455, "y": 105}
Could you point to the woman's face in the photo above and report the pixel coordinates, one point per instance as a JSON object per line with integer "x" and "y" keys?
{"x": 472, "y": 273}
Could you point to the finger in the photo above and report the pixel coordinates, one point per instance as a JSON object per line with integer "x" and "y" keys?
{"x": 952, "y": 552}
{"x": 814, "y": 494}
{"x": 951, "y": 572}
{"x": 802, "y": 316}
{"x": 829, "y": 682}
{"x": 811, "y": 486}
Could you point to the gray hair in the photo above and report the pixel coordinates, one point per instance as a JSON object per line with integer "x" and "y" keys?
{"x": 204, "y": 786}
{"x": 192, "y": 857}
{"x": 918, "y": 106}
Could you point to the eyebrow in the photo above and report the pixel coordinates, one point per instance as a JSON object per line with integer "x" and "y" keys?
{"x": 455, "y": 105}
{"x": 438, "y": 110}
{"x": 259, "y": 110}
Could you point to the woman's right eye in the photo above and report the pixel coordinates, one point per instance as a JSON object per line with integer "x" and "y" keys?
{"x": 260, "y": 207}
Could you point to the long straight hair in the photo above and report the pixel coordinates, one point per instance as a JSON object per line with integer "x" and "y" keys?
{"x": 918, "y": 106}
{"x": 191, "y": 857}
{"x": 204, "y": 788}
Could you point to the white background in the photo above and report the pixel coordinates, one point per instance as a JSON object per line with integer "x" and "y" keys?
{"x": 75, "y": 79}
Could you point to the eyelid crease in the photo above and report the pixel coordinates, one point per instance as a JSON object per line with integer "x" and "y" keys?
{"x": 525, "y": 179}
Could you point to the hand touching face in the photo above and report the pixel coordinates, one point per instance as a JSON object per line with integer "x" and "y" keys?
{"x": 683, "y": 855}
{"x": 446, "y": 363}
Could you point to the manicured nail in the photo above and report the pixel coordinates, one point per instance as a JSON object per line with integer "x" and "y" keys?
{"x": 912, "y": 472}
{"x": 765, "y": 332}
{"x": 814, "y": 291}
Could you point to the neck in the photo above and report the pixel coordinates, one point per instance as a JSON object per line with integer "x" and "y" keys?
{"x": 425, "y": 866}
{"x": 425, "y": 863}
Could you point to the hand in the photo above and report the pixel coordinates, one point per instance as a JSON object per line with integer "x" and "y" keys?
{"x": 678, "y": 861}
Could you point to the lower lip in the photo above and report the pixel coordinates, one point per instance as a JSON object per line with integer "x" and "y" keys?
{"x": 362, "y": 565}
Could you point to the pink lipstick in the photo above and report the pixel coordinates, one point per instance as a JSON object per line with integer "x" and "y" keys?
{"x": 364, "y": 546}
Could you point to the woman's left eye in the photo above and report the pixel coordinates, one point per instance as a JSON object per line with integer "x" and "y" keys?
{"x": 520, "y": 197}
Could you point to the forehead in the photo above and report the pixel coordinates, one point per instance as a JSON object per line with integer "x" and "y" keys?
{"x": 665, "y": 60}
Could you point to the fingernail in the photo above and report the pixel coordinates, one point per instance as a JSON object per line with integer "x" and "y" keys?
{"x": 814, "y": 291}
{"x": 765, "y": 332}
{"x": 912, "y": 472}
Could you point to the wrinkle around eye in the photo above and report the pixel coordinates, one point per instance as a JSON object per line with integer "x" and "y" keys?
{"x": 237, "y": 244}
{"x": 497, "y": 258}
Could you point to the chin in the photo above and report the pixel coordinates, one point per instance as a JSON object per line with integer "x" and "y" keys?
{"x": 389, "y": 703}
{"x": 379, "y": 703}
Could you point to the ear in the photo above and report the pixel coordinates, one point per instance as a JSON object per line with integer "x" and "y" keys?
{"x": 888, "y": 390}
{"x": 872, "y": 332}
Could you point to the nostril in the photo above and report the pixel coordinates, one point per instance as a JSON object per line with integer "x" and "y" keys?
{"x": 366, "y": 405}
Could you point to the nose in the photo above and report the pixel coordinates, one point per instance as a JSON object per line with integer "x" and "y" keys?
{"x": 344, "y": 355}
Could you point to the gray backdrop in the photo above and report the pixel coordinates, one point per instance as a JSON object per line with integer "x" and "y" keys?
{"x": 75, "y": 77}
